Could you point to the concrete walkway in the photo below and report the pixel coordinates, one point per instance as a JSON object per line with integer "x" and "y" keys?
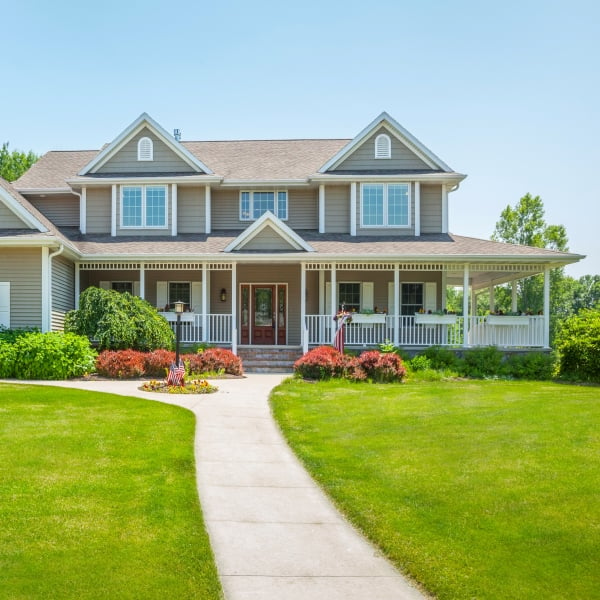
{"x": 275, "y": 534}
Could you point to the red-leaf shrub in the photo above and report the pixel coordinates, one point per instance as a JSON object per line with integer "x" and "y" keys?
{"x": 213, "y": 360}
{"x": 120, "y": 364}
{"x": 383, "y": 368}
{"x": 157, "y": 362}
{"x": 323, "y": 362}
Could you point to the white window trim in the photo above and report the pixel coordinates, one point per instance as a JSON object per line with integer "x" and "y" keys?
{"x": 150, "y": 148}
{"x": 387, "y": 154}
{"x": 143, "y": 225}
{"x": 385, "y": 205}
{"x": 275, "y": 204}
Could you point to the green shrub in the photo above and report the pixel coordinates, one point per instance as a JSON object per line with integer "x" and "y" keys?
{"x": 119, "y": 321}
{"x": 578, "y": 345}
{"x": 535, "y": 366}
{"x": 7, "y": 359}
{"x": 52, "y": 355}
{"x": 420, "y": 363}
{"x": 10, "y": 336}
{"x": 442, "y": 358}
{"x": 483, "y": 362}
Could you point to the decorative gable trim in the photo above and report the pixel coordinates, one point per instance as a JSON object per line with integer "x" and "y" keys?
{"x": 20, "y": 211}
{"x": 144, "y": 121}
{"x": 268, "y": 219}
{"x": 398, "y": 131}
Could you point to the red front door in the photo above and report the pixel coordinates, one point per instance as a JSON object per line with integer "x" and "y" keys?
{"x": 263, "y": 314}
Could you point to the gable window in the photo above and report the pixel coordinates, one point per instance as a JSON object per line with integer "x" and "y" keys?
{"x": 385, "y": 205}
{"x": 145, "y": 149}
{"x": 411, "y": 298}
{"x": 144, "y": 206}
{"x": 383, "y": 146}
{"x": 254, "y": 205}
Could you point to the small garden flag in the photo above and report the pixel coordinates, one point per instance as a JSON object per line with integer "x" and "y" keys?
{"x": 176, "y": 374}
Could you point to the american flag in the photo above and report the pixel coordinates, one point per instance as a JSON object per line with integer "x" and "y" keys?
{"x": 176, "y": 374}
{"x": 338, "y": 340}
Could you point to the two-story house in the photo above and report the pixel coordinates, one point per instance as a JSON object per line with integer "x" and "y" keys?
{"x": 262, "y": 240}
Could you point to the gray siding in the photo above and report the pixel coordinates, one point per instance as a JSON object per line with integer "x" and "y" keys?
{"x": 337, "y": 208}
{"x": 8, "y": 219}
{"x": 191, "y": 209}
{"x": 98, "y": 202}
{"x": 267, "y": 239}
{"x": 431, "y": 208}
{"x": 63, "y": 290}
{"x": 303, "y": 208}
{"x": 61, "y": 209}
{"x": 363, "y": 157}
{"x": 23, "y": 268}
{"x": 226, "y": 210}
{"x": 165, "y": 160}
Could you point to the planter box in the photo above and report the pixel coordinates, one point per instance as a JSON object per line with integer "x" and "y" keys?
{"x": 507, "y": 320}
{"x": 425, "y": 319}
{"x": 368, "y": 319}
{"x": 186, "y": 317}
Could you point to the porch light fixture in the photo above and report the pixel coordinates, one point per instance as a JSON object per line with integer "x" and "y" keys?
{"x": 223, "y": 295}
{"x": 179, "y": 306}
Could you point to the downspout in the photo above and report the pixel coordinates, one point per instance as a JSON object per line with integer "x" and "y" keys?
{"x": 50, "y": 257}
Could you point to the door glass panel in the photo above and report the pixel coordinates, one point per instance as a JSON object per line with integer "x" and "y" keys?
{"x": 281, "y": 312}
{"x": 263, "y": 303}
{"x": 245, "y": 305}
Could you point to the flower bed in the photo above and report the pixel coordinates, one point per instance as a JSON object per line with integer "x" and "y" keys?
{"x": 195, "y": 386}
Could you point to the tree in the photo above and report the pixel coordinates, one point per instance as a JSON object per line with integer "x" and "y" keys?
{"x": 118, "y": 321}
{"x": 14, "y": 164}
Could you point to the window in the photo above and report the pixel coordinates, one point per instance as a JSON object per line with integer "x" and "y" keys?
{"x": 349, "y": 296}
{"x": 145, "y": 149}
{"x": 254, "y": 205}
{"x": 385, "y": 205}
{"x": 411, "y": 298}
{"x": 122, "y": 286}
{"x": 383, "y": 146}
{"x": 180, "y": 291}
{"x": 144, "y": 206}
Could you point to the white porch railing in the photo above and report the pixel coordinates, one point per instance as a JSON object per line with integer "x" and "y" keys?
{"x": 320, "y": 330}
{"x": 218, "y": 328}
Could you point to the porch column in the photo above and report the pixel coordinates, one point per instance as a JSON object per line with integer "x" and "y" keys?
{"x": 547, "y": 307}
{"x": 492, "y": 298}
{"x": 444, "y": 286}
{"x": 396, "y": 304}
{"x": 142, "y": 281}
{"x": 83, "y": 211}
{"x": 466, "y": 306}
{"x": 333, "y": 296}
{"x": 444, "y": 209}
{"x": 417, "y": 208}
{"x": 207, "y": 210}
{"x": 77, "y": 285}
{"x": 233, "y": 307}
{"x": 322, "y": 208}
{"x": 173, "y": 209}
{"x": 303, "y": 332}
{"x": 113, "y": 211}
{"x": 353, "y": 208}
{"x": 514, "y": 290}
{"x": 204, "y": 302}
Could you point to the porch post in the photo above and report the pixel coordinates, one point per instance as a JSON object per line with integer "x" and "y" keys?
{"x": 353, "y": 208}
{"x": 444, "y": 286}
{"x": 417, "y": 208}
{"x": 466, "y": 306}
{"x": 396, "y": 304}
{"x": 547, "y": 307}
{"x": 77, "y": 284}
{"x": 204, "y": 302}
{"x": 233, "y": 307}
{"x": 322, "y": 208}
{"x": 142, "y": 281}
{"x": 334, "y": 307}
{"x": 514, "y": 289}
{"x": 303, "y": 332}
{"x": 492, "y": 298}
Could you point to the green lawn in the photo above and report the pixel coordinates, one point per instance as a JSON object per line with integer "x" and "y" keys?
{"x": 476, "y": 489}
{"x": 98, "y": 499}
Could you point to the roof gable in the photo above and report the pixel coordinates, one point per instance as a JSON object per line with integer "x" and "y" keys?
{"x": 21, "y": 211}
{"x": 268, "y": 233}
{"x": 384, "y": 123}
{"x": 144, "y": 123}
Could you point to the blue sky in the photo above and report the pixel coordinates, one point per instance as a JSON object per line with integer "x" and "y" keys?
{"x": 507, "y": 93}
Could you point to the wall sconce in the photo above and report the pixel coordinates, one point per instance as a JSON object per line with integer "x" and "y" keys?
{"x": 223, "y": 295}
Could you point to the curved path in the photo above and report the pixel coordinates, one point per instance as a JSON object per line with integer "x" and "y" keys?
{"x": 274, "y": 533}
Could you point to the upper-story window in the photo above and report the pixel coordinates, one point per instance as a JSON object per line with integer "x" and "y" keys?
{"x": 383, "y": 146}
{"x": 385, "y": 205}
{"x": 145, "y": 149}
{"x": 255, "y": 204}
{"x": 144, "y": 206}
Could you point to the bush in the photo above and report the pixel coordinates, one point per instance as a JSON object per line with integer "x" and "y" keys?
{"x": 10, "y": 336}
{"x": 215, "y": 360}
{"x": 121, "y": 364}
{"x": 578, "y": 345}
{"x": 382, "y": 367}
{"x": 119, "y": 321}
{"x": 52, "y": 355}
{"x": 323, "y": 362}
{"x": 441, "y": 358}
{"x": 536, "y": 366}
{"x": 7, "y": 359}
{"x": 157, "y": 362}
{"x": 483, "y": 362}
{"x": 420, "y": 363}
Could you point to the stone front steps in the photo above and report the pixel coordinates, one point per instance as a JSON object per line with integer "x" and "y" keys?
{"x": 269, "y": 359}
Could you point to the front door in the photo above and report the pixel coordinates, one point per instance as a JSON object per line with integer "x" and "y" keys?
{"x": 263, "y": 314}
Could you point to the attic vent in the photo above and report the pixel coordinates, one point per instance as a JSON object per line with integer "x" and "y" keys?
{"x": 145, "y": 149}
{"x": 383, "y": 146}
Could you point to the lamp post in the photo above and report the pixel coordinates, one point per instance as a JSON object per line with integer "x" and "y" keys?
{"x": 178, "y": 310}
